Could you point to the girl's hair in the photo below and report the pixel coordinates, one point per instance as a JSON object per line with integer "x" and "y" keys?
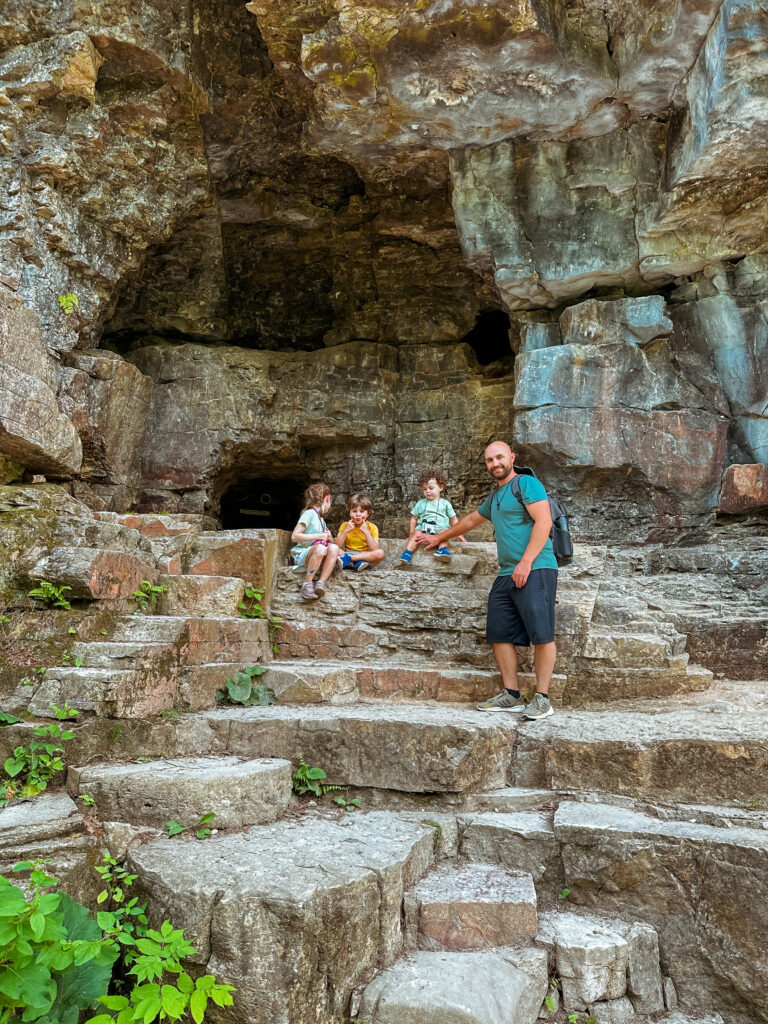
{"x": 360, "y": 501}
{"x": 315, "y": 495}
{"x": 433, "y": 474}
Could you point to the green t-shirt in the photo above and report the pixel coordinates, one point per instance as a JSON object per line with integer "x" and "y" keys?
{"x": 513, "y": 525}
{"x": 437, "y": 513}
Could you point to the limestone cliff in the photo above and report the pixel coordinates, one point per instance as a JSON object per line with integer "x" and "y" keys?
{"x": 342, "y": 240}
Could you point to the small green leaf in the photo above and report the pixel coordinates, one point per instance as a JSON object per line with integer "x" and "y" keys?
{"x": 564, "y": 894}
{"x": 175, "y": 828}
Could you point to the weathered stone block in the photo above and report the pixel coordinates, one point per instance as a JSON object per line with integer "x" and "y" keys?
{"x": 744, "y": 489}
{"x": 240, "y": 793}
{"x": 94, "y": 574}
{"x": 591, "y": 959}
{"x": 457, "y": 988}
{"x": 474, "y": 907}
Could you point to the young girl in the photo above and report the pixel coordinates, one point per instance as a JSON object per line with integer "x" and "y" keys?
{"x": 429, "y": 516}
{"x": 312, "y": 548}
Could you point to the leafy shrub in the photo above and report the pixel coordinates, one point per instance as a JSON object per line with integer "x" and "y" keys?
{"x": 242, "y": 690}
{"x": 50, "y": 595}
{"x": 54, "y": 961}
{"x": 30, "y": 768}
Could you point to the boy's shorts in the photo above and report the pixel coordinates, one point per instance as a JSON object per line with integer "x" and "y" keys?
{"x": 522, "y": 615}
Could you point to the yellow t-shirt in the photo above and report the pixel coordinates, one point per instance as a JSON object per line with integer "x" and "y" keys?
{"x": 355, "y": 539}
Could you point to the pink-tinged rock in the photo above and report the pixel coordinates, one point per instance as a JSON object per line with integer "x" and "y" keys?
{"x": 744, "y": 488}
{"x": 474, "y": 907}
{"x": 248, "y": 554}
{"x": 160, "y": 525}
{"x": 92, "y": 573}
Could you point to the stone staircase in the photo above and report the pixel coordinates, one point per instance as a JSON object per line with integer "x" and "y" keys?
{"x": 439, "y": 902}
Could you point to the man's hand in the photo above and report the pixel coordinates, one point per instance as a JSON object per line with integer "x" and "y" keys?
{"x": 431, "y": 541}
{"x": 521, "y": 573}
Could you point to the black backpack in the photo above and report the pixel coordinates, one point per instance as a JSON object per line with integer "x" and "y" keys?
{"x": 562, "y": 545}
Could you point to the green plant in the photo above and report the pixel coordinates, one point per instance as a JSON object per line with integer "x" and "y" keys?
{"x": 146, "y": 596}
{"x": 438, "y": 828}
{"x": 202, "y": 831}
{"x": 88, "y": 800}
{"x": 309, "y": 780}
{"x": 549, "y": 1000}
{"x": 579, "y": 1018}
{"x": 69, "y": 303}
{"x": 7, "y": 719}
{"x": 242, "y": 690}
{"x": 31, "y": 768}
{"x": 564, "y": 894}
{"x": 274, "y": 625}
{"x": 348, "y": 805}
{"x": 72, "y": 629}
{"x": 54, "y": 961}
{"x": 66, "y": 660}
{"x": 50, "y": 595}
{"x": 250, "y": 607}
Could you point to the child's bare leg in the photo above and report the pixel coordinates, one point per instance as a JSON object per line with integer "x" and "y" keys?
{"x": 314, "y": 558}
{"x": 374, "y": 557}
{"x": 329, "y": 562}
{"x": 413, "y": 542}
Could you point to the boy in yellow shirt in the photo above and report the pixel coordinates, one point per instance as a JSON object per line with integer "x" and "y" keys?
{"x": 358, "y": 538}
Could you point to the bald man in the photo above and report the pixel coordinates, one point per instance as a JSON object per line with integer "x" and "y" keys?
{"x": 521, "y": 605}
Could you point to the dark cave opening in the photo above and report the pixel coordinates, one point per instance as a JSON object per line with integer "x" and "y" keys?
{"x": 489, "y": 337}
{"x": 259, "y": 503}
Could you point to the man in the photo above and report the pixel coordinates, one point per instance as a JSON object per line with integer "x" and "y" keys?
{"x": 521, "y": 605}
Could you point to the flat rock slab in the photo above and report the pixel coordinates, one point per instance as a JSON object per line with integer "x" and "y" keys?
{"x": 479, "y": 987}
{"x": 690, "y": 753}
{"x": 412, "y": 748}
{"x": 295, "y": 915}
{"x": 200, "y": 595}
{"x": 240, "y": 793}
{"x": 474, "y": 907}
{"x": 49, "y": 816}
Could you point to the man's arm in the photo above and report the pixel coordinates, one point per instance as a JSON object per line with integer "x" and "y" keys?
{"x": 542, "y": 524}
{"x": 464, "y": 525}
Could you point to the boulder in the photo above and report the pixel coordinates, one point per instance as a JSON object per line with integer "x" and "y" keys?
{"x": 33, "y": 431}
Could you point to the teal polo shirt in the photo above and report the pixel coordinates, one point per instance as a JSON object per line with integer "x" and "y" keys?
{"x": 512, "y": 524}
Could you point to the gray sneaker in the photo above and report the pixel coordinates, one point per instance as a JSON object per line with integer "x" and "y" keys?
{"x": 538, "y": 708}
{"x": 502, "y": 702}
{"x": 319, "y": 586}
{"x": 308, "y": 592}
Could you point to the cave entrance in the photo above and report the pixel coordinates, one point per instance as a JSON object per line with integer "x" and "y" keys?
{"x": 490, "y": 336}
{"x": 260, "y": 503}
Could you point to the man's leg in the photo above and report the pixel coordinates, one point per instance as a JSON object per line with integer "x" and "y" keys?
{"x": 544, "y": 665}
{"x": 506, "y": 659}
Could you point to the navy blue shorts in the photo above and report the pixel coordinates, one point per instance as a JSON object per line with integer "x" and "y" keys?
{"x": 522, "y": 615}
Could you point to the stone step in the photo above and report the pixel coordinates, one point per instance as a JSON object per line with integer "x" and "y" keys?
{"x": 301, "y": 912}
{"x": 240, "y": 793}
{"x": 664, "y": 872}
{"x": 50, "y": 826}
{"x": 200, "y": 595}
{"x": 200, "y": 640}
{"x": 588, "y": 682}
{"x": 107, "y": 692}
{"x": 408, "y": 747}
{"x": 474, "y": 906}
{"x": 631, "y": 650}
{"x": 499, "y": 986}
{"x": 695, "y": 748}
{"x": 305, "y": 682}
{"x": 518, "y": 840}
{"x": 119, "y": 655}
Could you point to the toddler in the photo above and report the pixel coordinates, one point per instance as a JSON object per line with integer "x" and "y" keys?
{"x": 358, "y": 538}
{"x": 429, "y": 516}
{"x": 312, "y": 548}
